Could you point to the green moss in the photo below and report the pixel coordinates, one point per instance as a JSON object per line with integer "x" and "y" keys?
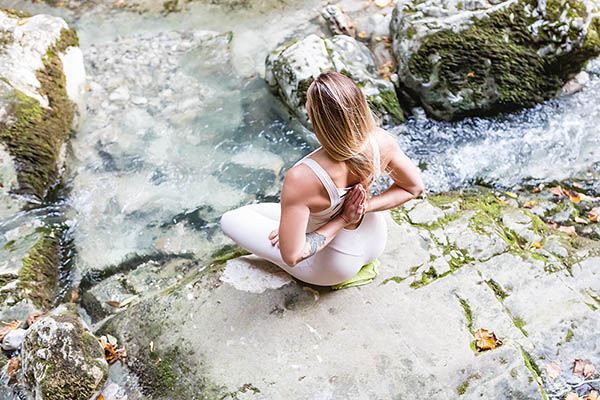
{"x": 396, "y": 279}
{"x": 60, "y": 381}
{"x": 39, "y": 272}
{"x": 500, "y": 293}
{"x": 535, "y": 371}
{"x": 468, "y": 313}
{"x": 426, "y": 277}
{"x": 520, "y": 323}
{"x": 15, "y": 13}
{"x": 411, "y": 32}
{"x": 170, "y": 6}
{"x": 302, "y": 88}
{"x": 462, "y": 388}
{"x": 481, "y": 60}
{"x": 35, "y": 138}
{"x": 514, "y": 373}
{"x": 569, "y": 336}
{"x": 388, "y": 101}
{"x": 9, "y": 246}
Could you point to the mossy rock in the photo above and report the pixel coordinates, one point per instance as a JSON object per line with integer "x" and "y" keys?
{"x": 40, "y": 117}
{"x": 61, "y": 359}
{"x": 292, "y": 67}
{"x": 493, "y": 57}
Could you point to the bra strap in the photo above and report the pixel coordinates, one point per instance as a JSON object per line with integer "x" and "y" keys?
{"x": 323, "y": 177}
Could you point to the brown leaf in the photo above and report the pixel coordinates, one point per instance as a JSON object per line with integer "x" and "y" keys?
{"x": 593, "y": 395}
{"x": 553, "y": 369}
{"x": 574, "y": 196}
{"x": 552, "y": 224}
{"x": 588, "y": 370}
{"x": 538, "y": 188}
{"x": 581, "y": 221}
{"x": 14, "y": 325}
{"x": 568, "y": 229}
{"x": 115, "y": 304}
{"x": 577, "y": 185}
{"x": 583, "y": 368}
{"x": 558, "y": 191}
{"x": 13, "y": 366}
{"x": 32, "y": 317}
{"x": 537, "y": 245}
{"x": 100, "y": 397}
{"x": 593, "y": 214}
{"x": 74, "y": 295}
{"x": 485, "y": 340}
{"x": 572, "y": 396}
{"x": 7, "y": 328}
{"x": 530, "y": 204}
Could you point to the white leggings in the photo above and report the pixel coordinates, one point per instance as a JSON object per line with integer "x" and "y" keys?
{"x": 249, "y": 226}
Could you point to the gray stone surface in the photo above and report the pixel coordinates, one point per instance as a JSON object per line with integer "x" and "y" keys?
{"x": 243, "y": 325}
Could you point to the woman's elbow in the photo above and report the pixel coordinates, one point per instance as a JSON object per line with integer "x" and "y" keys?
{"x": 291, "y": 259}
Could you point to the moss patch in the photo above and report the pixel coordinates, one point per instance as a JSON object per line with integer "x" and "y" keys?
{"x": 35, "y": 139}
{"x": 39, "y": 273}
{"x": 15, "y": 13}
{"x": 495, "y": 63}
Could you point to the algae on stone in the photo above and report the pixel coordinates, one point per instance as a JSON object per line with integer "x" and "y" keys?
{"x": 497, "y": 57}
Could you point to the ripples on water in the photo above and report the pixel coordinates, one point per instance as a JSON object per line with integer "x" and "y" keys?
{"x": 142, "y": 181}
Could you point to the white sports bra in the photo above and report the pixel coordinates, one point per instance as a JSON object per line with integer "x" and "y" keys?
{"x": 318, "y": 219}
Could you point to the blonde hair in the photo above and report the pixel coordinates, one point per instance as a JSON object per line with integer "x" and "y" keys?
{"x": 342, "y": 121}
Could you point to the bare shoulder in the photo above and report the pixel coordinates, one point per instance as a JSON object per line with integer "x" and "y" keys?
{"x": 299, "y": 180}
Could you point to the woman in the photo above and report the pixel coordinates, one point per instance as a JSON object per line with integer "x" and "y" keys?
{"x": 327, "y": 227}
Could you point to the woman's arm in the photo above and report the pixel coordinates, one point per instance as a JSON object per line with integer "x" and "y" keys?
{"x": 294, "y": 243}
{"x": 405, "y": 175}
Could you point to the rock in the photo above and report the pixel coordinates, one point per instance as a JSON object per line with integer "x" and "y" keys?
{"x": 119, "y": 94}
{"x": 61, "y": 359}
{"x": 291, "y": 68}
{"x": 41, "y": 98}
{"x": 575, "y": 84}
{"x": 13, "y": 340}
{"x": 521, "y": 224}
{"x": 425, "y": 213}
{"x": 338, "y": 21}
{"x": 254, "y": 275}
{"x": 477, "y": 58}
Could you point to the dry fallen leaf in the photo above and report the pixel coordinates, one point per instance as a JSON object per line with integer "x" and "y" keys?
{"x": 362, "y": 34}
{"x": 558, "y": 191}
{"x": 538, "y": 188}
{"x": 588, "y": 370}
{"x": 7, "y": 328}
{"x": 593, "y": 214}
{"x": 485, "y": 340}
{"x": 74, "y": 295}
{"x": 22, "y": 22}
{"x": 100, "y": 397}
{"x": 114, "y": 304}
{"x": 112, "y": 353}
{"x": 471, "y": 75}
{"x": 583, "y": 368}
{"x": 553, "y": 369}
{"x": 500, "y": 199}
{"x": 574, "y": 196}
{"x": 552, "y": 224}
{"x": 572, "y": 396}
{"x": 13, "y": 366}
{"x": 530, "y": 204}
{"x": 537, "y": 245}
{"x": 568, "y": 229}
{"x": 593, "y": 395}
{"x": 31, "y": 318}
{"x": 511, "y": 195}
{"x": 580, "y": 220}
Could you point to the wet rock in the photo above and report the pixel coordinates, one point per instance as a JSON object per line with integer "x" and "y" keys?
{"x": 61, "y": 359}
{"x": 13, "y": 340}
{"x": 477, "y": 58}
{"x": 521, "y": 224}
{"x": 292, "y": 67}
{"x": 254, "y": 275}
{"x": 575, "y": 84}
{"x": 41, "y": 100}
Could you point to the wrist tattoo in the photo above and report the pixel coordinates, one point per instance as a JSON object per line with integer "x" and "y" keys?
{"x": 314, "y": 240}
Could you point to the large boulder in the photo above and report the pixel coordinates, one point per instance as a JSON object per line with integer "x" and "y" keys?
{"x": 41, "y": 99}
{"x": 61, "y": 359}
{"x": 291, "y": 68}
{"x": 465, "y": 58}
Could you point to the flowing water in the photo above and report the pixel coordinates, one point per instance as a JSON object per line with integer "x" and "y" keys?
{"x": 181, "y": 127}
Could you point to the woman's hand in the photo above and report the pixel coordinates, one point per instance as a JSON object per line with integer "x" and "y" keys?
{"x": 355, "y": 205}
{"x": 274, "y": 237}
